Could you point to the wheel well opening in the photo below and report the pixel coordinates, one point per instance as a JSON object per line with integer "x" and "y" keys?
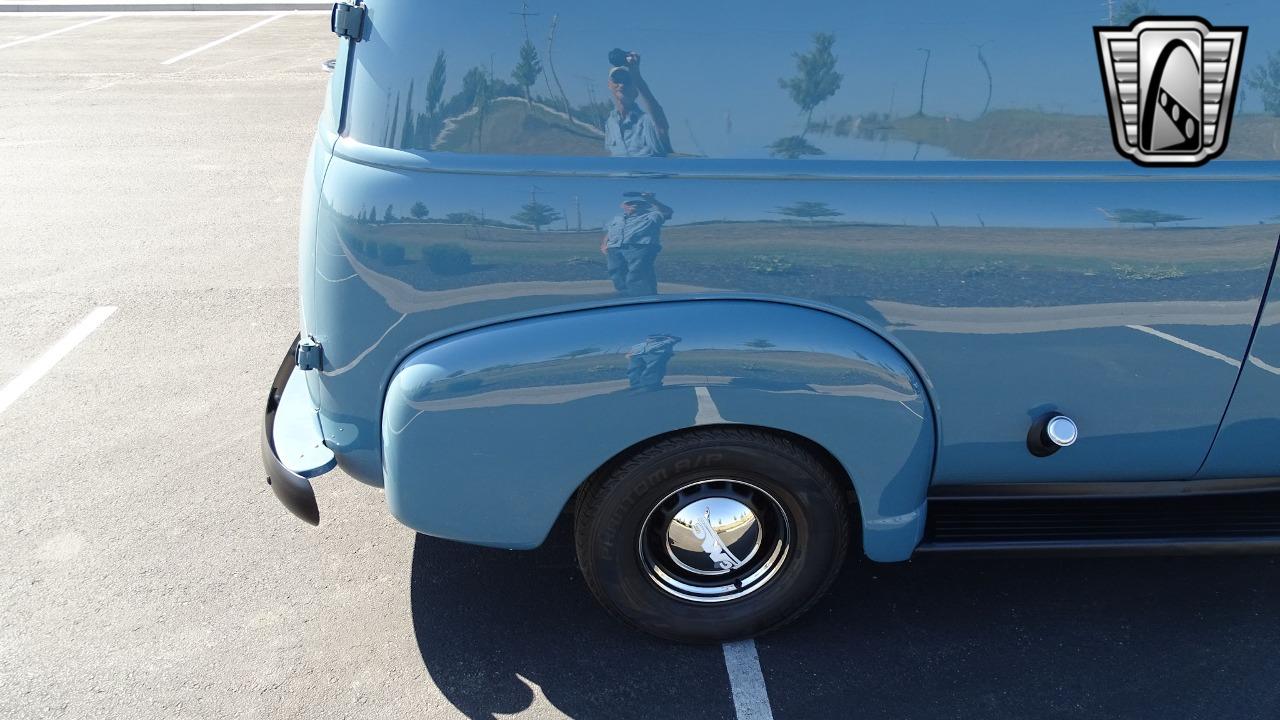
{"x": 824, "y": 456}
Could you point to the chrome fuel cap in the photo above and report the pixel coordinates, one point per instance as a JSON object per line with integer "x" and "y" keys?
{"x": 1050, "y": 433}
{"x": 1062, "y": 431}
{"x": 713, "y": 536}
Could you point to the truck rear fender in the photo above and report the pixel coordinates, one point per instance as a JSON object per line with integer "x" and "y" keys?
{"x": 488, "y": 433}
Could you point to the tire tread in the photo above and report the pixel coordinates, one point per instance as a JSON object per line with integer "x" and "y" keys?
{"x": 590, "y": 499}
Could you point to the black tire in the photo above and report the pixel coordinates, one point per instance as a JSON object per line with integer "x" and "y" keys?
{"x": 619, "y": 521}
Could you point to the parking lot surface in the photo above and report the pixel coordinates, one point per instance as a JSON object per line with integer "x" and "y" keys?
{"x": 146, "y": 570}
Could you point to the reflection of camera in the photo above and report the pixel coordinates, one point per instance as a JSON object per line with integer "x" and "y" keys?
{"x": 620, "y": 76}
{"x": 618, "y": 56}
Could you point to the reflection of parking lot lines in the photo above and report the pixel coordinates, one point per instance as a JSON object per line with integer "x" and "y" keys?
{"x": 708, "y": 413}
{"x": 36, "y": 370}
{"x": 222, "y": 39}
{"x": 746, "y": 681}
{"x": 59, "y": 31}
{"x": 908, "y": 407}
{"x": 1207, "y": 352}
{"x": 1264, "y": 366}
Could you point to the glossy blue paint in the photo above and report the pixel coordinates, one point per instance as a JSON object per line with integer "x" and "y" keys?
{"x": 313, "y": 179}
{"x": 1007, "y": 288}
{"x": 1248, "y": 444}
{"x": 713, "y": 70}
{"x": 1047, "y": 307}
{"x": 327, "y": 133}
{"x": 486, "y": 434}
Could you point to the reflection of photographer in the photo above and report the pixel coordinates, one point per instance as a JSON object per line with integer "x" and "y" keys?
{"x": 637, "y": 126}
{"x": 632, "y": 242}
{"x": 647, "y": 361}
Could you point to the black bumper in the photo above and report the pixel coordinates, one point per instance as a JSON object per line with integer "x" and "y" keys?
{"x": 290, "y": 488}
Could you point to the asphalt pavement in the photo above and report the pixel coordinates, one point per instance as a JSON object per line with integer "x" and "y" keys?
{"x": 147, "y": 572}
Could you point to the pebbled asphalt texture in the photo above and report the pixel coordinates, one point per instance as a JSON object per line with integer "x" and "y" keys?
{"x": 147, "y": 572}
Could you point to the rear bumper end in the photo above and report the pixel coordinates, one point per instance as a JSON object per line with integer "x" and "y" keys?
{"x": 293, "y": 449}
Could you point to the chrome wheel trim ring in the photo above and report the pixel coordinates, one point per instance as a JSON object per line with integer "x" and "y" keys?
{"x": 736, "y": 562}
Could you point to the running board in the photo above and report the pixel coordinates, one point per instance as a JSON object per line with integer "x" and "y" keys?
{"x": 1111, "y": 521}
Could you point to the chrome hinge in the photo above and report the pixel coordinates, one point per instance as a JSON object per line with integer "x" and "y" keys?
{"x": 308, "y": 354}
{"x": 347, "y": 20}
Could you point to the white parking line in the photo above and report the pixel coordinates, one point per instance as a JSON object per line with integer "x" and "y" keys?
{"x": 1207, "y": 352}
{"x": 221, "y": 40}
{"x": 746, "y": 680}
{"x": 708, "y": 413}
{"x": 36, "y": 370}
{"x": 169, "y": 13}
{"x": 59, "y": 31}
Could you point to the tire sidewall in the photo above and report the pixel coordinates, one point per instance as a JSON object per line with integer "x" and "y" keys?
{"x": 806, "y": 493}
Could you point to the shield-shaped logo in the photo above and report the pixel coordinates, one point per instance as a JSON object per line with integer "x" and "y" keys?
{"x": 1170, "y": 84}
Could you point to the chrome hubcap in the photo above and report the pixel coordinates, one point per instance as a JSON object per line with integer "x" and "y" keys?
{"x": 715, "y": 540}
{"x": 714, "y": 536}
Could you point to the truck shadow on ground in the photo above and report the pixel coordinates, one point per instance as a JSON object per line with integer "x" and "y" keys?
{"x": 955, "y": 637}
{"x": 492, "y": 625}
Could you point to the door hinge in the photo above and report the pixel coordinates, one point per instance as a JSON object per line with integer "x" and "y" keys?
{"x": 347, "y": 20}
{"x": 308, "y": 355}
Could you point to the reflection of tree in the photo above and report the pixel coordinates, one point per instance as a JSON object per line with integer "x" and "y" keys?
{"x": 447, "y": 258}
{"x": 463, "y": 218}
{"x": 868, "y": 126}
{"x": 389, "y": 215}
{"x": 422, "y": 130}
{"x": 461, "y": 121}
{"x": 593, "y": 113}
{"x": 478, "y": 85}
{"x": 808, "y": 210}
{"x": 873, "y": 126}
{"x": 536, "y": 214}
{"x": 817, "y": 78}
{"x": 390, "y": 139}
{"x": 527, "y": 70}
{"x": 407, "y": 134}
{"x": 435, "y": 85}
{"x": 1130, "y": 10}
{"x": 419, "y": 211}
{"x": 477, "y": 88}
{"x": 1139, "y": 216}
{"x": 793, "y": 147}
{"x": 1265, "y": 79}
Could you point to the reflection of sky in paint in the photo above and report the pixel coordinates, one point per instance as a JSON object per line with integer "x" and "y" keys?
{"x": 1017, "y": 203}
{"x": 714, "y": 65}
